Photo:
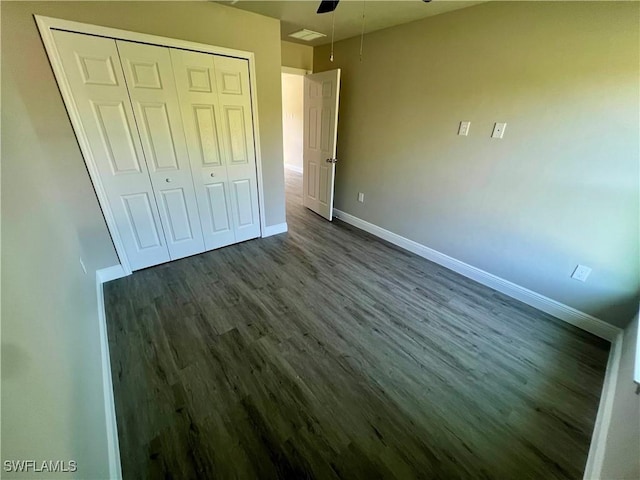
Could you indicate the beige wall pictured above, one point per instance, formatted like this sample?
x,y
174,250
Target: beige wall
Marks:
x,y
52,399
292,119
560,189
622,451
297,56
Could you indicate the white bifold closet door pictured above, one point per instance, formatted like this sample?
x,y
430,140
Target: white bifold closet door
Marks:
x,y
216,109
149,76
92,69
171,134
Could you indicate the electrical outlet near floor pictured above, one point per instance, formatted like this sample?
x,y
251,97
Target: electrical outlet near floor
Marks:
x,y
361,197
581,273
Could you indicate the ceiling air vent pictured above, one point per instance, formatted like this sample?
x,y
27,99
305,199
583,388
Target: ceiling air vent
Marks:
x,y
306,35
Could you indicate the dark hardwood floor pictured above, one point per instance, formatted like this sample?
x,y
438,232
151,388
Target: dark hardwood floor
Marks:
x,y
326,353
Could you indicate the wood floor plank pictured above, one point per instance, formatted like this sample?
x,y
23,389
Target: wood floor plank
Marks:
x,y
327,353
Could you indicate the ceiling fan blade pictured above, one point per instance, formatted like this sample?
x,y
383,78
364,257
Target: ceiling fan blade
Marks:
x,y
327,6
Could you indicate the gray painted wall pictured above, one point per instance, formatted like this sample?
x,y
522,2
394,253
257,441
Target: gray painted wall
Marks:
x,y
52,398
561,188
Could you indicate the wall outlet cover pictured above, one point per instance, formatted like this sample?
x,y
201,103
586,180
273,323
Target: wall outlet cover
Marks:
x,y
581,273
498,130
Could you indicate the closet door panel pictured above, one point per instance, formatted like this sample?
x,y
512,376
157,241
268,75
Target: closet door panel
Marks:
x,y
196,84
232,82
234,121
243,201
149,76
93,71
219,207
141,219
174,202
206,134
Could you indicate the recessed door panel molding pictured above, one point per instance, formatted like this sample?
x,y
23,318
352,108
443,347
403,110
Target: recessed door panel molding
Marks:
x,y
235,127
327,88
313,89
217,195
311,180
140,216
243,205
325,175
242,197
325,129
145,75
320,133
96,70
312,132
206,134
102,106
175,205
231,83
116,136
199,79
155,124
168,131
219,216
159,120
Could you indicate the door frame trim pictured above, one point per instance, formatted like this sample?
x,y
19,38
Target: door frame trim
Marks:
x,y
47,24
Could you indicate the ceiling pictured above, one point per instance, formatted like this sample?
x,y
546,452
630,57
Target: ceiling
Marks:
x,y
379,14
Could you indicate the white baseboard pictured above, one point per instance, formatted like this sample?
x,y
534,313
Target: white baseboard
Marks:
x,y
593,469
113,446
274,229
293,168
559,310
105,275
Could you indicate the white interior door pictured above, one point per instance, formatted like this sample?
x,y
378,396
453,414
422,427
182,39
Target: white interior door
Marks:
x,y
195,80
234,94
215,96
93,71
150,81
321,97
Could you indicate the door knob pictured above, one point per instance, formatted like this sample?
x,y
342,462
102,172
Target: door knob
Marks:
x,y
332,160
168,180
212,174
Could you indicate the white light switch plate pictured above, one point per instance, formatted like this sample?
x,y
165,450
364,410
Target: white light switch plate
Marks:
x,y
464,128
361,197
498,130
581,273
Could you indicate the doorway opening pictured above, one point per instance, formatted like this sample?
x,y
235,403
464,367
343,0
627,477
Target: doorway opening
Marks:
x,y
293,130
310,129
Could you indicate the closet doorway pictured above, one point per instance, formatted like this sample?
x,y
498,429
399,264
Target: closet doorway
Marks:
x,y
169,132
